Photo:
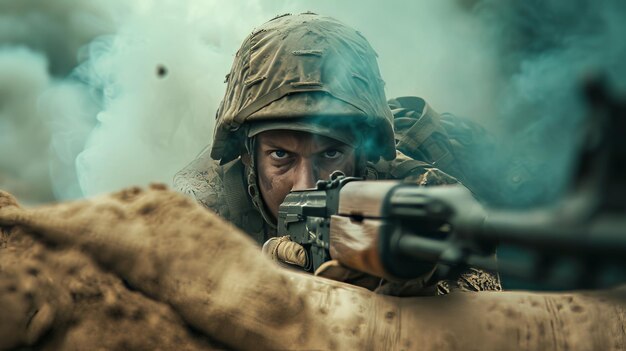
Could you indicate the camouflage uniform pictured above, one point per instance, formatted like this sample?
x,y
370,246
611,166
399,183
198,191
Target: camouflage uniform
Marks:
x,y
305,73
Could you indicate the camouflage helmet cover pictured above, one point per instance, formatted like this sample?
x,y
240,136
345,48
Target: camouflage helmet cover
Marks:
x,y
305,69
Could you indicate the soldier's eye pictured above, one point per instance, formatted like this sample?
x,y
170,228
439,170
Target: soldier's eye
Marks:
x,y
279,154
332,154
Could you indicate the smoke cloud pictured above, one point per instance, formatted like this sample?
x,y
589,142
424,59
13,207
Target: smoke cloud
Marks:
x,y
97,95
23,140
546,49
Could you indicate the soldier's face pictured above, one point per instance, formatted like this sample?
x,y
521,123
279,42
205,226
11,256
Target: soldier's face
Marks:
x,y
289,160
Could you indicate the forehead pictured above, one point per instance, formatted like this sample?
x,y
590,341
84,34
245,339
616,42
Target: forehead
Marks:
x,y
291,138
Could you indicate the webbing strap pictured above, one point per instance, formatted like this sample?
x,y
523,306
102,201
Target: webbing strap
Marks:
x,y
442,157
404,168
423,137
420,131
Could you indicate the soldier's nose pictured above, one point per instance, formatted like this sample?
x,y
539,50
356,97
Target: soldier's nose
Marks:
x,y
305,176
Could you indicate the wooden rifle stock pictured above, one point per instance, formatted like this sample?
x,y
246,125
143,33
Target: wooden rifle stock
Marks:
x,y
354,229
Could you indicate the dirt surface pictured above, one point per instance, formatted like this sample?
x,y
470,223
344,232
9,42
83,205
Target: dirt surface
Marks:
x,y
154,245
59,299
151,269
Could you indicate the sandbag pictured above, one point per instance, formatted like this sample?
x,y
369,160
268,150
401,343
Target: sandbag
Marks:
x,y
145,267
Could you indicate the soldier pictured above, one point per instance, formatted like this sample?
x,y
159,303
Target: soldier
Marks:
x,y
304,98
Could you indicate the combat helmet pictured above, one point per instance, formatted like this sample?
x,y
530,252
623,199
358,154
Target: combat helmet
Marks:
x,y
310,73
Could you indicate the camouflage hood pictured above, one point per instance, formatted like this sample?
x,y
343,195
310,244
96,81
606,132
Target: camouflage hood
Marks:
x,y
308,68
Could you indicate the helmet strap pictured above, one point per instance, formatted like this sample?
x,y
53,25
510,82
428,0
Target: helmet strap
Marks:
x,y
360,163
253,188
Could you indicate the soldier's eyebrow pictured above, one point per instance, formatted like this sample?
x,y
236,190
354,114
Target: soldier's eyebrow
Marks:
x,y
291,145
276,144
271,143
333,144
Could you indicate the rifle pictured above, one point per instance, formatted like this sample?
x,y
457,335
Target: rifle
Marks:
x,y
395,230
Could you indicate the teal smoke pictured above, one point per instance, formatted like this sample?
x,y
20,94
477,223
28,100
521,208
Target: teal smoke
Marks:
x,y
547,49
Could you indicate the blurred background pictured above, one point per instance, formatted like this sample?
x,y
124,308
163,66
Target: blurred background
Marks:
x,y
96,95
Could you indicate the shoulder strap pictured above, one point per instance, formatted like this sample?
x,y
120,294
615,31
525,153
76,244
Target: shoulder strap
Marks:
x,y
420,134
